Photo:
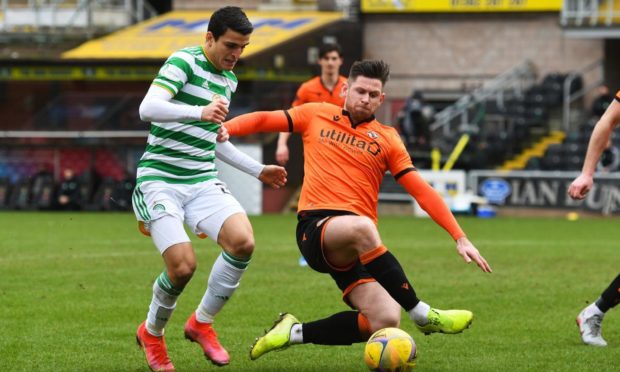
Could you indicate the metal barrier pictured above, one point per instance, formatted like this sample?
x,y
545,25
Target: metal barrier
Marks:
x,y
569,97
49,16
508,84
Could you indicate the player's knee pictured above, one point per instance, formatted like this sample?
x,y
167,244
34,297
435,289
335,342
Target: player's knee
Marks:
x,y
241,245
183,272
365,232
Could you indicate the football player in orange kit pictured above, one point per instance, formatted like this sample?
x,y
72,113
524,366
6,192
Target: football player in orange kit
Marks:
x,y
347,152
327,87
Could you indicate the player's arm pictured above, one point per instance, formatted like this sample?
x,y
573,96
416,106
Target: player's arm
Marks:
x,y
272,175
400,165
601,135
295,120
282,151
156,106
259,121
430,200
598,141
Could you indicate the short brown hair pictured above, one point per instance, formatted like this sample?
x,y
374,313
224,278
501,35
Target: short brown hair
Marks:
x,y
373,69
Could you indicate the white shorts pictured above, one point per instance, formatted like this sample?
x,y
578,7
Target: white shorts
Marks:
x,y
208,203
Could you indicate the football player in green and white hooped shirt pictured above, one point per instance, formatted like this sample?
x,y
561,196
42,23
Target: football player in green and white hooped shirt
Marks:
x,y
177,183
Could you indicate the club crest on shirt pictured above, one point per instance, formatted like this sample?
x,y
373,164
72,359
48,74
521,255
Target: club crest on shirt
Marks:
x,y
159,207
373,135
336,117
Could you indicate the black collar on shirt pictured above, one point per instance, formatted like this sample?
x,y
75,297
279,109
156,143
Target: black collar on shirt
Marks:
x,y
348,114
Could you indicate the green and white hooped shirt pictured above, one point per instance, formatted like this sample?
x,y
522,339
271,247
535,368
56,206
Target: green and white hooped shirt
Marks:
x,y
184,152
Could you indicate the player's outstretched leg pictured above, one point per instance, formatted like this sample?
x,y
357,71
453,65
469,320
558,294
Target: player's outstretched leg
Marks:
x,y
205,336
446,321
154,349
589,322
278,337
388,272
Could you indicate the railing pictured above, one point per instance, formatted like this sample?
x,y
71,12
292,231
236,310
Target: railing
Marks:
x,y
508,84
589,13
569,97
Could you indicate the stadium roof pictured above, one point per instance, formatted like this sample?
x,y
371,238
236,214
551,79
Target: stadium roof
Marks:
x,y
160,36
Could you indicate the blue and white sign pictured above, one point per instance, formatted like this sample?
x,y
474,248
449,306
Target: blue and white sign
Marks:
x,y
495,190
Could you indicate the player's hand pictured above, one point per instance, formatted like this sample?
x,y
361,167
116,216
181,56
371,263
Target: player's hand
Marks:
x,y
470,253
215,112
282,154
580,187
273,175
222,134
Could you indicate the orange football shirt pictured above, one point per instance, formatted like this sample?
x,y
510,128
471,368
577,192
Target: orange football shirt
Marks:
x,y
313,90
345,164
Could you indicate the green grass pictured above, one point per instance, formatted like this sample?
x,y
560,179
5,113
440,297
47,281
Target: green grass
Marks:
x,y
76,285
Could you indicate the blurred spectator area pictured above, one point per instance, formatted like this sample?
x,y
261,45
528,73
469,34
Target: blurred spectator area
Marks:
x,y
18,163
79,125
89,111
51,115
101,172
49,106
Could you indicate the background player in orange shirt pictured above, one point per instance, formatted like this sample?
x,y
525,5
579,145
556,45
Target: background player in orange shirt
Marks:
x,y
346,154
590,319
327,87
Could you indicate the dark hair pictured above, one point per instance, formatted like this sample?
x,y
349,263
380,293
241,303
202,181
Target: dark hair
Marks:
x,y
329,47
373,69
229,17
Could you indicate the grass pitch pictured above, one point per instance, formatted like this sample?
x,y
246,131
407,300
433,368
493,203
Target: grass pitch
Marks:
x,y
75,286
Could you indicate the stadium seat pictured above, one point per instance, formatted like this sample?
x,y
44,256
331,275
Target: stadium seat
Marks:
x,y
5,190
88,183
20,195
573,162
43,195
123,193
533,163
571,148
103,199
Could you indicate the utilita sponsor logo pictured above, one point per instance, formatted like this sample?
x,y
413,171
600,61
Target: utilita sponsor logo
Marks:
x,y
351,140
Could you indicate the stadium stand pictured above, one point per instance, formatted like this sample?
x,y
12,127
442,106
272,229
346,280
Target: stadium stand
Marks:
x,y
505,119
509,119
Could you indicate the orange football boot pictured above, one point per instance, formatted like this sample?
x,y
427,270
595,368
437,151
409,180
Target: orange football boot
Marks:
x,y
204,334
154,349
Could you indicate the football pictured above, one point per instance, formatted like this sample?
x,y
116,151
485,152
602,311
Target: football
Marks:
x,y
390,349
